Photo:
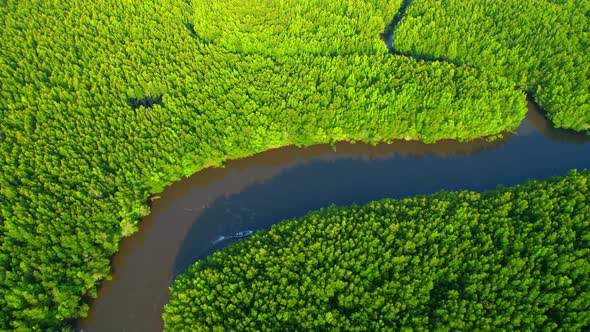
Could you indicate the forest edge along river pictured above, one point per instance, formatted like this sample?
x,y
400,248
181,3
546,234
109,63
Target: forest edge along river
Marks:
x,y
256,192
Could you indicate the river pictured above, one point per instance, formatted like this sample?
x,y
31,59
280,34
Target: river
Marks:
x,y
256,192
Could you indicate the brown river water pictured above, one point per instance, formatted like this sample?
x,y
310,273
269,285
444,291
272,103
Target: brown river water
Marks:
x,y
258,191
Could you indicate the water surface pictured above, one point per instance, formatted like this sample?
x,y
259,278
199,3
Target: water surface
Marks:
x,y
256,192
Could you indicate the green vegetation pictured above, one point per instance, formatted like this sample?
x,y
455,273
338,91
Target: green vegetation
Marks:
x,y
105,102
271,27
542,45
509,259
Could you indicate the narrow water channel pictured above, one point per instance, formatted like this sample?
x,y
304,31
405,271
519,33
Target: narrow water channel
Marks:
x,y
256,192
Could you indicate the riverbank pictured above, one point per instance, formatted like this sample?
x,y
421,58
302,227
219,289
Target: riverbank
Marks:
x,y
512,258
256,192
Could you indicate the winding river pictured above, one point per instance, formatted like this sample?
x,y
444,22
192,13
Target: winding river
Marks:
x,y
256,192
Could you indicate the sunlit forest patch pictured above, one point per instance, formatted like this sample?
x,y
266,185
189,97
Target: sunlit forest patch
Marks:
x,y
541,45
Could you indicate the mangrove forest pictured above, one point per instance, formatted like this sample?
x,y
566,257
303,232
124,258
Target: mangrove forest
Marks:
x,y
104,103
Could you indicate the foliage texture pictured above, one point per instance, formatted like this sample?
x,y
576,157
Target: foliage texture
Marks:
x,y
542,45
510,259
105,102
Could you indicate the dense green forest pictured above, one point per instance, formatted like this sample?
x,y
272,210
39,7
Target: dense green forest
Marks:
x,y
105,102
319,27
510,259
542,45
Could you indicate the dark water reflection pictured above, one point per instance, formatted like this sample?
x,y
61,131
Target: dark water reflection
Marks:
x,y
256,192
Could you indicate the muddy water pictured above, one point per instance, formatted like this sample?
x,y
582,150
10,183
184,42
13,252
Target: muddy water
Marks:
x,y
256,192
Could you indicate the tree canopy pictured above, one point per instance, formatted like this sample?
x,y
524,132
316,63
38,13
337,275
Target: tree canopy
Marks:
x,y
508,259
105,102
542,45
